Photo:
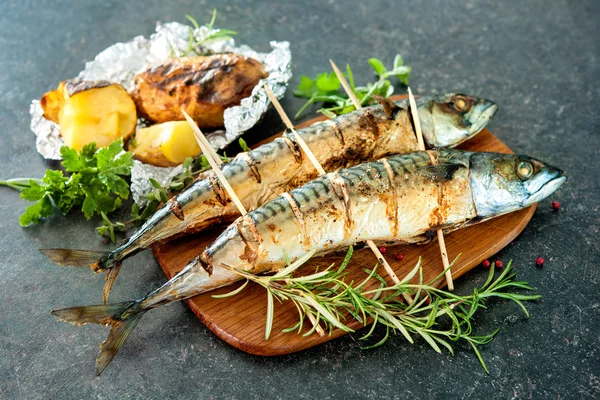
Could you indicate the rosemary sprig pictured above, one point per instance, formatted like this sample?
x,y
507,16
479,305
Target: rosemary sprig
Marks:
x,y
437,316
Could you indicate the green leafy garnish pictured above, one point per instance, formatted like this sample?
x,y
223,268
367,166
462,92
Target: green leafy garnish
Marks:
x,y
437,316
243,145
95,183
325,88
197,46
160,194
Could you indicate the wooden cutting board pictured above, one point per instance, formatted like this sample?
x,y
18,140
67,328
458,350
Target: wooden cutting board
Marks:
x,y
240,320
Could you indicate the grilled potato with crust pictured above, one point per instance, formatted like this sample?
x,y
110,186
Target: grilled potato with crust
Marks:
x,y
203,86
90,111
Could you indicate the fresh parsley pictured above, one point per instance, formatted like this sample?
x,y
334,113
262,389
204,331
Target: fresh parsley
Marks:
x,y
325,87
94,183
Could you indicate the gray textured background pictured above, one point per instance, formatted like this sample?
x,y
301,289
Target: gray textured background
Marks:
x,y
538,59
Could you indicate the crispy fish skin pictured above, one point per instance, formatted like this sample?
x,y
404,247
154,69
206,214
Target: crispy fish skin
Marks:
x,y
271,169
204,86
262,174
397,199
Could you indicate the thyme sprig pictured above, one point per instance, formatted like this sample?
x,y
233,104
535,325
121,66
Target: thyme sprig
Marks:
x,y
196,46
437,316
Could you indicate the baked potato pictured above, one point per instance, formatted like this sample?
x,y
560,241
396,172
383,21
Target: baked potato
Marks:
x,y
203,86
164,145
90,111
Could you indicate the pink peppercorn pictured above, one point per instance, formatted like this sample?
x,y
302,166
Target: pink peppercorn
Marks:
x,y
486,263
555,205
539,262
383,250
399,256
499,264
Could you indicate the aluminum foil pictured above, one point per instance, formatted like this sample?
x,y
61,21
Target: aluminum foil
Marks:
x,y
140,183
122,61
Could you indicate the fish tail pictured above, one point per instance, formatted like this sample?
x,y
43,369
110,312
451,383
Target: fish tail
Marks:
x,y
122,318
98,260
109,280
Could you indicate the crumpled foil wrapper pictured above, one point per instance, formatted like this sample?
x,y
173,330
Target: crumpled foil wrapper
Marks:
x,y
140,183
122,61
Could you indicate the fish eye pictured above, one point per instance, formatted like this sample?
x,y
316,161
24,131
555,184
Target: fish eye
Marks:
x,y
461,104
524,170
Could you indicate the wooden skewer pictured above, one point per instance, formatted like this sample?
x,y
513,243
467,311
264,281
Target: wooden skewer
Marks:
x,y
345,85
200,138
214,160
370,243
289,125
319,168
440,233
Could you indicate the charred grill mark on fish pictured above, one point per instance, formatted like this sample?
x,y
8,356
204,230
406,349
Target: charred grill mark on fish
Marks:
x,y
297,215
176,209
294,148
218,190
251,162
393,199
279,166
264,240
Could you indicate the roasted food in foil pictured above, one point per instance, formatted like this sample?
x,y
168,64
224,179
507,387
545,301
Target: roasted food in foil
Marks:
x,y
90,111
121,62
203,86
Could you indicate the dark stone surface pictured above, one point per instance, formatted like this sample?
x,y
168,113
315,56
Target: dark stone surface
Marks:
x,y
538,59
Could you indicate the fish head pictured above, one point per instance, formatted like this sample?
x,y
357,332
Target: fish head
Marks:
x,y
450,119
502,183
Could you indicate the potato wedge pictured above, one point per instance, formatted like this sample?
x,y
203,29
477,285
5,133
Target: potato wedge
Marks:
x,y
203,86
164,145
86,112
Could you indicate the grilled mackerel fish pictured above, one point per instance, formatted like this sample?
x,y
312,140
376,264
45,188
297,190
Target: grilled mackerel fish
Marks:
x,y
395,199
273,168
203,86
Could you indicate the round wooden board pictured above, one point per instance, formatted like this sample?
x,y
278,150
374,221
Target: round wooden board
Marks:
x,y
240,320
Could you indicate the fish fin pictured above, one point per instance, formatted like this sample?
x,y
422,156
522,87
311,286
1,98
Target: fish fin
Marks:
x,y
440,173
116,337
109,280
74,257
389,107
122,317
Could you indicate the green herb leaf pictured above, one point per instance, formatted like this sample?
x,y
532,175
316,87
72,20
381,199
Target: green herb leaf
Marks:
x,y
198,46
377,66
243,145
96,183
328,82
398,61
34,213
306,88
328,299
325,88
